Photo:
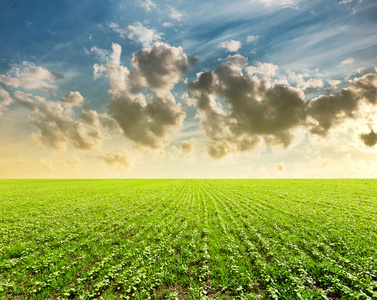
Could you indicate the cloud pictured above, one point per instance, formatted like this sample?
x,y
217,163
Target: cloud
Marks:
x,y
167,24
369,139
138,33
345,1
175,14
101,53
329,111
284,3
280,167
252,38
187,147
193,61
147,4
123,159
73,99
238,111
254,110
301,83
334,83
58,126
146,120
5,101
231,46
29,76
265,69
347,61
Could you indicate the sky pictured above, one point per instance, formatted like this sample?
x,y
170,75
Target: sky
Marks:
x,y
188,89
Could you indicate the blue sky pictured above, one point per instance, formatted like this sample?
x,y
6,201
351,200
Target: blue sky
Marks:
x,y
69,107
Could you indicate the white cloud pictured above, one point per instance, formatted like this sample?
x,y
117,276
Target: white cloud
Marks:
x,y
284,3
138,33
347,61
301,83
147,4
101,53
73,99
175,14
252,38
167,24
231,46
264,69
345,1
334,83
29,76
5,101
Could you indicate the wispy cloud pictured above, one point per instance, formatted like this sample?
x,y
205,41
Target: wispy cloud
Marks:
x,y
175,14
347,61
147,4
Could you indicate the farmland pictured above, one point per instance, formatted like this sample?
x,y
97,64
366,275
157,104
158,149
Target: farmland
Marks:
x,y
188,239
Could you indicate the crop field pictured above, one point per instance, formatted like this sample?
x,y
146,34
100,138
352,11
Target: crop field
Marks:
x,y
188,239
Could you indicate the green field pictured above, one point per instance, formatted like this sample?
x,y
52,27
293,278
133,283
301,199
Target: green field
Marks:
x,y
188,239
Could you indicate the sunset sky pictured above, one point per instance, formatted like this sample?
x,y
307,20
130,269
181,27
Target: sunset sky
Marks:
x,y
177,89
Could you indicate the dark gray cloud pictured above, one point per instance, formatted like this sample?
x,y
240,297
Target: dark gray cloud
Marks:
x,y
159,67
329,111
238,110
369,139
146,120
251,109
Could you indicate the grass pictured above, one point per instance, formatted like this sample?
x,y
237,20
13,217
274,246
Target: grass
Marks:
x,y
188,239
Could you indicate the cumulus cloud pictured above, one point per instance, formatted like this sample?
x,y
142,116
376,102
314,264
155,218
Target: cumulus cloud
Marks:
x,y
73,99
231,46
147,4
123,159
146,120
138,33
29,76
238,110
302,83
58,126
334,83
328,111
264,69
369,139
175,14
5,101
347,61
255,111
